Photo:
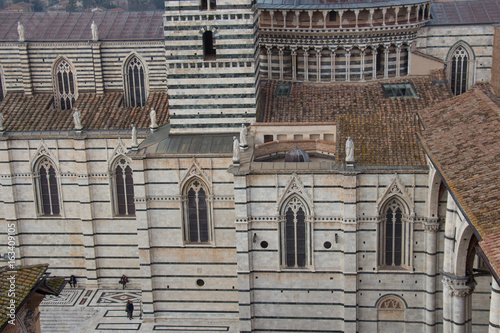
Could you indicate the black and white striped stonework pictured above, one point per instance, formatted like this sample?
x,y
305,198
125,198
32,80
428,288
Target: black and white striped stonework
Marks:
x,y
211,64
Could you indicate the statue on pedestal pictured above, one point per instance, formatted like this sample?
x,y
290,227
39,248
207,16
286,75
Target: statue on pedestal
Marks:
x,y
349,150
134,136
243,136
236,150
95,32
77,118
20,31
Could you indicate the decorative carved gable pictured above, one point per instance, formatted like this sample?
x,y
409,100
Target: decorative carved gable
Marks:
x,y
195,170
43,150
397,188
119,150
294,186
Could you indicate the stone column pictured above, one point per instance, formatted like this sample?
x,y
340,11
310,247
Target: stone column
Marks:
x,y
350,251
409,59
396,12
271,13
85,213
362,66
306,63
408,14
243,249
386,60
269,61
348,64
318,63
294,62
431,230
341,12
398,59
494,307
461,299
325,14
332,63
25,68
96,57
280,50
284,18
297,21
374,62
417,13
356,13
370,19
384,11
310,13
144,240
448,267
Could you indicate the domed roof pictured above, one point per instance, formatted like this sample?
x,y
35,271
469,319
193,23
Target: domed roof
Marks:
x,y
297,155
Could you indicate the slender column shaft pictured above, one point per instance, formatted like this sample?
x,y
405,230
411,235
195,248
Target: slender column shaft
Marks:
x,y
494,307
386,61
398,60
362,68
332,64
269,61
374,64
318,64
348,65
281,62
306,64
294,63
409,60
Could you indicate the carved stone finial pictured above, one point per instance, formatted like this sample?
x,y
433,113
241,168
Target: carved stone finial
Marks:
x,y
243,137
20,31
236,150
349,150
152,115
77,119
134,136
95,31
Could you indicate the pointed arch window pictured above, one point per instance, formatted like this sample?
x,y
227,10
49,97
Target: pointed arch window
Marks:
x,y
135,82
295,233
196,212
47,188
394,236
459,70
123,188
65,85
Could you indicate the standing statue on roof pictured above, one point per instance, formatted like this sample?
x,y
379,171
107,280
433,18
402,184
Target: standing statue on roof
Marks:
x,y
243,136
236,150
77,118
134,136
20,31
95,32
152,115
349,150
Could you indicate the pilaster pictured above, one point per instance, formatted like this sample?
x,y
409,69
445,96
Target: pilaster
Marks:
x,y
431,230
96,57
25,68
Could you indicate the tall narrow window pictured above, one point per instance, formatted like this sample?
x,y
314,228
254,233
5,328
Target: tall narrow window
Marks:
x,y
135,83
1,86
124,188
196,213
393,233
459,71
295,233
209,45
47,188
65,85
208,4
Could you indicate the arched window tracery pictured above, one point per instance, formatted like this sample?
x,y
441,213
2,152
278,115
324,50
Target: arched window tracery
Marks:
x,y
135,82
47,188
123,188
295,231
65,85
197,212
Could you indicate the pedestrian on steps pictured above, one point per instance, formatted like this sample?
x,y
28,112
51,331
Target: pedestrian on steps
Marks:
x,y
123,280
72,281
130,310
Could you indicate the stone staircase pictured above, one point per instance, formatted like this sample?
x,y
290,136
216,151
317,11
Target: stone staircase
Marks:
x,y
72,319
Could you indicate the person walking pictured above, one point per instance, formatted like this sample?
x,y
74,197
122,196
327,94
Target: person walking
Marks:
x,y
123,281
130,310
72,281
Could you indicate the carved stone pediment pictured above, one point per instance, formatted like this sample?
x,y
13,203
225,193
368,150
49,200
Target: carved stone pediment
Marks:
x,y
119,150
43,150
296,187
397,188
195,170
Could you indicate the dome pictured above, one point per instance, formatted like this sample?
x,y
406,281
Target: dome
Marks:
x,y
297,155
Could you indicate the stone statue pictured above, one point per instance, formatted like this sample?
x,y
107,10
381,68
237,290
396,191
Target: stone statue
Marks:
x,y
243,136
349,150
236,150
95,32
77,118
134,136
152,115
1,122
20,31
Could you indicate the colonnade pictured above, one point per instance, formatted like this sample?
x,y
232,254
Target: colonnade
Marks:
x,y
345,18
335,63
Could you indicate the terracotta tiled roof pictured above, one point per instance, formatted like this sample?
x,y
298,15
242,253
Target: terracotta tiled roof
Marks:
x,y
383,129
462,138
99,112
76,26
26,278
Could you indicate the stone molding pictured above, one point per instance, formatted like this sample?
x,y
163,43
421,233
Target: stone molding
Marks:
x,y
459,286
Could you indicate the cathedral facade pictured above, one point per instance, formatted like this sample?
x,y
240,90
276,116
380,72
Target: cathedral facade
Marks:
x,y
259,166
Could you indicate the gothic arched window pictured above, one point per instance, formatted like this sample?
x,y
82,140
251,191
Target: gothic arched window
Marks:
x,y
393,234
196,212
65,85
135,82
47,188
123,188
295,234
459,70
